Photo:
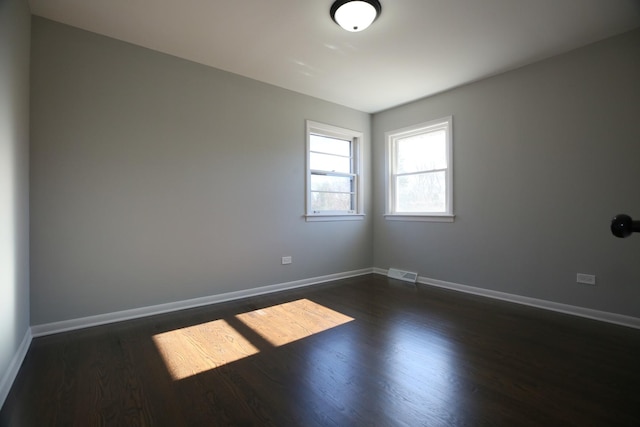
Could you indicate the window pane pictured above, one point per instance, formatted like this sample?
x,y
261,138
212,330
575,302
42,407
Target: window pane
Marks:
x,y
331,183
328,162
425,192
423,152
325,144
330,201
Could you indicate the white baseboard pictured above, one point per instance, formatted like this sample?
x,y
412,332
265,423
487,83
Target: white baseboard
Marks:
x,y
604,316
14,367
103,319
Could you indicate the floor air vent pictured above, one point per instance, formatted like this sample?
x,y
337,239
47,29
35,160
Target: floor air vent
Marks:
x,y
407,276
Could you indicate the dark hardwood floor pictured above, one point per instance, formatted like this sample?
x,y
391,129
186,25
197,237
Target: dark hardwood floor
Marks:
x,y
355,352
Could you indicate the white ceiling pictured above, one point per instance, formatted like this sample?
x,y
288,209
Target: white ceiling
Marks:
x,y
415,49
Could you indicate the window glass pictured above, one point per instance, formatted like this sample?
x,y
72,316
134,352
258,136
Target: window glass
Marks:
x,y
331,183
423,192
330,163
329,145
331,202
422,152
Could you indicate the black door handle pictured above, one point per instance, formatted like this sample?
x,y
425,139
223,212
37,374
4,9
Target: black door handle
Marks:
x,y
622,226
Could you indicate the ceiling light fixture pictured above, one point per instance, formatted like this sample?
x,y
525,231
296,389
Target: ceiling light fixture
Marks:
x,y
355,15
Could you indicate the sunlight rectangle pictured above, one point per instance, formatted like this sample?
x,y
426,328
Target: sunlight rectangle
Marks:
x,y
199,348
285,323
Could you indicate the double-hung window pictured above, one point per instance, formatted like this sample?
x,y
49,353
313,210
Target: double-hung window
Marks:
x,y
419,172
333,173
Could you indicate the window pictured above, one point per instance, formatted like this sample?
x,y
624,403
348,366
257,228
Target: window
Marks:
x,y
333,168
419,172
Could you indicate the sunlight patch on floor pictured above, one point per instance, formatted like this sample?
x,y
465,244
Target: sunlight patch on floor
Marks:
x,y
199,348
195,349
285,323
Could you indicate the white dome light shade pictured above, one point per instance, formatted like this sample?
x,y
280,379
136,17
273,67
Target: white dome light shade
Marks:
x,y
355,15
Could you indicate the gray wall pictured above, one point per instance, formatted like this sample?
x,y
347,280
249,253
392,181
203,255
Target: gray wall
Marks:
x,y
14,178
155,180
544,157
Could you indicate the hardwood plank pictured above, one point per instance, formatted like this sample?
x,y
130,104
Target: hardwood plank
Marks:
x,y
359,351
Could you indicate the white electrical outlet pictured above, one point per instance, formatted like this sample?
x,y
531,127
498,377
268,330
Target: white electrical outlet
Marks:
x,y
286,260
587,279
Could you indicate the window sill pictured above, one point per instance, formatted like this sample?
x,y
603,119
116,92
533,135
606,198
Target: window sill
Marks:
x,y
423,218
333,217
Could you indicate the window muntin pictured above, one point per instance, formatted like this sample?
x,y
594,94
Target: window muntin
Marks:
x,y
419,179
333,184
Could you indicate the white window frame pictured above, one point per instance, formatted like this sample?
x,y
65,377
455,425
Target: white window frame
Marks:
x,y
446,124
316,128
